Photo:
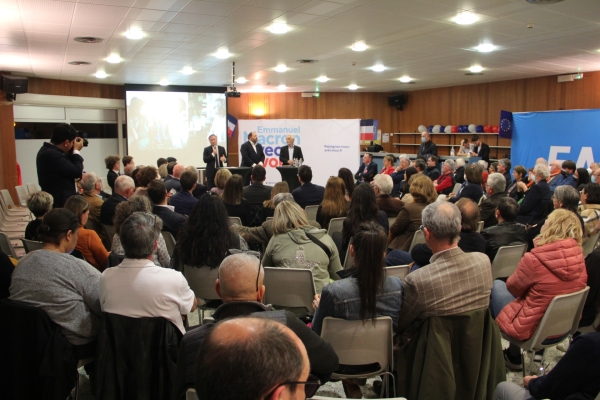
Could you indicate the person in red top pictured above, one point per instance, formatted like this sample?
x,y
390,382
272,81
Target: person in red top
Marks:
x,y
555,266
445,183
388,165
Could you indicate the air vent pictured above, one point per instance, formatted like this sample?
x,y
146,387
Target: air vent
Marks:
x,y
88,39
79,63
307,61
543,2
474,73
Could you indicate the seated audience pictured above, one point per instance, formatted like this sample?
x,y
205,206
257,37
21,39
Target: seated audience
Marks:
x,y
471,188
297,244
425,293
143,177
582,177
137,288
504,166
432,170
113,165
367,170
39,203
124,189
592,302
170,166
88,241
348,179
92,186
530,178
235,204
184,201
421,166
174,183
493,167
595,176
590,209
554,267
257,192
162,171
269,205
555,170
445,182
383,184
399,174
172,222
507,232
459,172
334,203
199,188
160,256
484,174
409,218
565,177
405,187
388,165
130,170
308,194
494,189
221,177
242,295
519,186
534,206
69,294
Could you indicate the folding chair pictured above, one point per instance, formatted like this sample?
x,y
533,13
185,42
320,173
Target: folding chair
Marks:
x,y
480,226
456,188
169,241
348,261
398,270
590,244
31,245
10,207
235,220
559,321
362,343
23,194
311,212
391,220
506,260
291,288
33,187
110,232
335,225
7,247
481,199
202,282
418,238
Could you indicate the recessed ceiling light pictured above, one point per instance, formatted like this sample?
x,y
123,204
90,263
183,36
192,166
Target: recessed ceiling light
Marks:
x,y
465,18
222,54
164,82
114,59
281,68
378,68
281,87
322,79
134,34
100,75
405,79
359,46
485,47
88,39
476,68
279,28
241,80
187,71
353,87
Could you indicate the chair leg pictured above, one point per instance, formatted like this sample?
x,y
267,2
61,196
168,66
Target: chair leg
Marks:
x,y
531,362
523,362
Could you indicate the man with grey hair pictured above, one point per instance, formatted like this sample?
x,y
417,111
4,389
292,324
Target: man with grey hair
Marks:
x,y
453,283
536,203
139,288
494,190
383,185
399,173
504,166
459,172
92,186
289,153
445,182
124,189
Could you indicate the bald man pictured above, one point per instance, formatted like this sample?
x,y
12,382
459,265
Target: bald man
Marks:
x,y
240,286
266,356
285,151
174,182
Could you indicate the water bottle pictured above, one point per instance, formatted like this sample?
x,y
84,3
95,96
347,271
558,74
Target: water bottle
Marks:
x,y
300,162
452,152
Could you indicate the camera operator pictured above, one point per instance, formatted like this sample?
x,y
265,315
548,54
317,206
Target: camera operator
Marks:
x,y
59,164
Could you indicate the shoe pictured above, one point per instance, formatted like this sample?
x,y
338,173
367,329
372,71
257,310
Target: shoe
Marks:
x,y
539,356
509,364
351,390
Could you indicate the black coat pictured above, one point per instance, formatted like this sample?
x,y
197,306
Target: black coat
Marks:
x,y
470,190
504,234
459,175
172,222
487,209
532,206
483,151
308,194
249,156
368,175
284,154
107,211
427,149
209,159
57,172
111,177
257,192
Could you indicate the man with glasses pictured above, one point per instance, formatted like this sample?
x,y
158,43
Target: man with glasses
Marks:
x,y
240,285
253,358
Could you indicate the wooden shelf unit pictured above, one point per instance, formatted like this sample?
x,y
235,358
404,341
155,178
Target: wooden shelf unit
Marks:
x,y
409,143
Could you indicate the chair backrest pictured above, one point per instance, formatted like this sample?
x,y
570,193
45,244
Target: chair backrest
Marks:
x,y
506,260
418,238
480,226
335,225
391,220
441,197
191,394
456,187
169,241
398,270
31,245
23,194
105,186
590,244
289,287
358,343
202,281
235,220
561,317
33,187
6,246
110,231
348,261
311,212
481,199
8,200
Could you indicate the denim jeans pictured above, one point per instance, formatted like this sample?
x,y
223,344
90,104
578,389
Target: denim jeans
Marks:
x,y
500,297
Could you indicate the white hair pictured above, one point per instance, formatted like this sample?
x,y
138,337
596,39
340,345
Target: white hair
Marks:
x,y
384,183
484,164
460,162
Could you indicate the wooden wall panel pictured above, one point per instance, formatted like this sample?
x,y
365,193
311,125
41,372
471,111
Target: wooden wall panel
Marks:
x,y
80,89
8,151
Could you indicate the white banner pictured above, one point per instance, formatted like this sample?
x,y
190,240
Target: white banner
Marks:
x,y
327,144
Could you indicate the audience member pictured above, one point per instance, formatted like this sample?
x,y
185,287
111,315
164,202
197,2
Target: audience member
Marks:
x,y
161,161
432,170
565,177
143,177
39,203
465,148
240,285
269,205
129,169
592,302
199,189
399,174
308,194
113,165
485,173
405,187
172,222
421,166
445,182
582,177
221,178
534,207
258,192
504,166
170,166
348,179
480,149
459,172
453,283
162,172
297,244
471,188
184,201
595,176
133,174
590,209
409,218
367,170
91,186
388,165
124,189
494,189
427,147
88,241
519,186
235,204
334,203
493,167
554,267
127,160
382,184
171,160
507,232
174,183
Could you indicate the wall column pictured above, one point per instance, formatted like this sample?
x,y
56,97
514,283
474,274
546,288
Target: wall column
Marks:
x,y
8,151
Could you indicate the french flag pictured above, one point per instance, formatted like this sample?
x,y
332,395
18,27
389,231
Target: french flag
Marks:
x,y
231,125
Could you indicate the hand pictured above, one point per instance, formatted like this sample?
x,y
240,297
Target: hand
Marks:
x,y
473,154
316,301
78,144
222,159
290,162
527,379
215,151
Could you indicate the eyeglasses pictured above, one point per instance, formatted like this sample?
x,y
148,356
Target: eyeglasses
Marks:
x,y
310,386
422,228
252,253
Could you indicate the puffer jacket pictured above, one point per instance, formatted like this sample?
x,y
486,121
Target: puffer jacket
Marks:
x,y
547,271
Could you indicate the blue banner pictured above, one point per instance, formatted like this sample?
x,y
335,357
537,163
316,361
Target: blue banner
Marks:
x,y
556,135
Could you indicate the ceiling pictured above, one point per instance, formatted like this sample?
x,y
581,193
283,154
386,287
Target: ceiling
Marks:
x,y
409,37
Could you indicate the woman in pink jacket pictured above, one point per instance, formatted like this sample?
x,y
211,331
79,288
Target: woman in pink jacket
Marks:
x,y
555,266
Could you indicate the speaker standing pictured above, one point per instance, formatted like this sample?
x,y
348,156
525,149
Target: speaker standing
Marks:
x,y
214,156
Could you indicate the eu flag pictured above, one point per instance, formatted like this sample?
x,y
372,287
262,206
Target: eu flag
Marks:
x,y
505,129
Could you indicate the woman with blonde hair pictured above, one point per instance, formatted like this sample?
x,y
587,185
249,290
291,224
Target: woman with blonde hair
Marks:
x,y
555,266
388,165
162,171
409,218
39,203
334,203
296,244
269,205
221,178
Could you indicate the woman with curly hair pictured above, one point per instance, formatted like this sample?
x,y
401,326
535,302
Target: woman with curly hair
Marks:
x,y
143,177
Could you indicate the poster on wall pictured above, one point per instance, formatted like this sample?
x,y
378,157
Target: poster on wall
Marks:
x,y
327,144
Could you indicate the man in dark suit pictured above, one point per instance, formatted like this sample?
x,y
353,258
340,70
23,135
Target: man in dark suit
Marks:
x,y
113,165
59,164
257,192
427,147
496,190
172,222
124,188
285,151
480,149
307,194
214,156
538,196
367,170
252,154
184,201
174,182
